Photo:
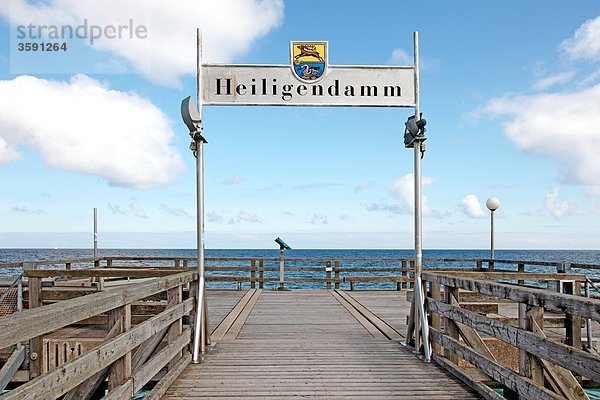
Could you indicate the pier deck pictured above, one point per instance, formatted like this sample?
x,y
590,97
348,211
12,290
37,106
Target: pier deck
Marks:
x,y
312,344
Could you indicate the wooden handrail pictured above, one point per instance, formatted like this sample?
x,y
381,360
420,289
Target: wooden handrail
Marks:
x,y
541,360
584,307
46,319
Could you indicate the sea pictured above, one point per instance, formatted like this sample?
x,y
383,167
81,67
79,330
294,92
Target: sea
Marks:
x,y
316,256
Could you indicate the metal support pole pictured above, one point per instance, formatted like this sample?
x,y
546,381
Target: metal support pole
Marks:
x,y
588,321
492,234
95,233
418,288
199,344
281,269
20,294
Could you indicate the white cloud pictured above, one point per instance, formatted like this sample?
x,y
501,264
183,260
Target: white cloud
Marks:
x,y
363,185
404,58
8,153
233,180
115,208
471,206
401,57
389,208
319,219
137,209
592,191
403,189
229,28
214,217
554,80
174,211
27,210
590,79
247,216
559,209
585,44
564,126
75,125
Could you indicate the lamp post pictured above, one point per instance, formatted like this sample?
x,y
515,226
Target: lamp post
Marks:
x,y
414,137
192,117
492,204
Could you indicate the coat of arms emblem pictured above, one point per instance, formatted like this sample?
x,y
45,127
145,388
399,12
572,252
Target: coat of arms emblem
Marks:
x,y
309,60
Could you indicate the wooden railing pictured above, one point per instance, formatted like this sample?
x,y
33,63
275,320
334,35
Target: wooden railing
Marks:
x,y
548,368
128,357
328,272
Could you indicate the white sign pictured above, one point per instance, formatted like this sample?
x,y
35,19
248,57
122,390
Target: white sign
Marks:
x,y
276,85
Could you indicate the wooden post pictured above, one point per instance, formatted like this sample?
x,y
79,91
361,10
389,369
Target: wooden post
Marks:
x,y
193,293
68,265
253,274
410,325
523,325
336,274
261,274
109,263
36,351
529,365
328,275
120,371
412,267
185,263
450,326
177,263
436,319
490,264
206,327
404,273
479,265
174,297
573,323
534,366
521,269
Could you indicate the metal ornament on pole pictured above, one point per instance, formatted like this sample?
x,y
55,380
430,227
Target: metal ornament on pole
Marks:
x,y
414,138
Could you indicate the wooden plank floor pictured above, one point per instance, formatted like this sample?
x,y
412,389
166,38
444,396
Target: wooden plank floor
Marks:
x,y
391,306
307,344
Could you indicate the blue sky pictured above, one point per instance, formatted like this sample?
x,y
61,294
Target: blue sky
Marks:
x,y
510,91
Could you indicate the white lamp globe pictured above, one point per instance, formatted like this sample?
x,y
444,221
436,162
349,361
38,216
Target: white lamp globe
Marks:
x,y
493,203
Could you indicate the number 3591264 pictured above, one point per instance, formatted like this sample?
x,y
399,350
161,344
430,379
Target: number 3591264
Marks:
x,y
44,46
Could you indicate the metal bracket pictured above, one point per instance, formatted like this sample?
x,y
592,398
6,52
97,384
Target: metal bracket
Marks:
x,y
196,137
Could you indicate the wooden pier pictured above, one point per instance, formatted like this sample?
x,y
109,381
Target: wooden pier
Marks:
x,y
312,344
106,328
